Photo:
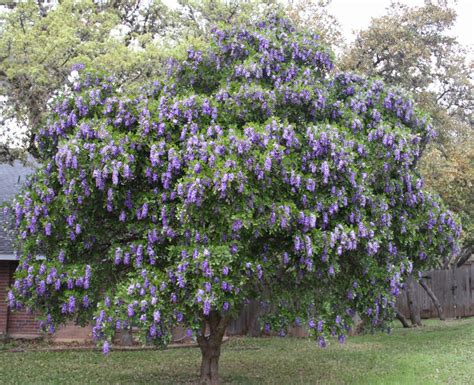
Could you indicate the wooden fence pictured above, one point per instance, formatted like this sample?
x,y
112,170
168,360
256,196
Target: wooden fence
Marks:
x,y
246,323
454,289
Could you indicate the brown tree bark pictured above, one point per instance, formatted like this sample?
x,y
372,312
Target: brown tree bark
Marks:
x,y
210,346
466,251
413,305
402,318
435,300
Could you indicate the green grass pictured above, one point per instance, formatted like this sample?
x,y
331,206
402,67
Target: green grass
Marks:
x,y
438,353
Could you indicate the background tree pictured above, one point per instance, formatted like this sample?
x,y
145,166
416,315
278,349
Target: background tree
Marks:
x,y
249,171
315,16
410,47
38,46
449,172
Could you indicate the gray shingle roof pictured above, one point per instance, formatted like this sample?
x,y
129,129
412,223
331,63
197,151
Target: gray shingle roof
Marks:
x,y
12,178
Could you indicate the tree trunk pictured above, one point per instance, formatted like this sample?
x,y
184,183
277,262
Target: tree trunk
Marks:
x,y
413,304
435,300
210,346
210,365
465,254
402,318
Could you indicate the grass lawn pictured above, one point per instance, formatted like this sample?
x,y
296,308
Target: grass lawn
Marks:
x,y
438,353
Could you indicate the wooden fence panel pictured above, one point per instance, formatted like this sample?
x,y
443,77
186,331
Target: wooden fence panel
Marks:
x,y
454,289
471,290
246,323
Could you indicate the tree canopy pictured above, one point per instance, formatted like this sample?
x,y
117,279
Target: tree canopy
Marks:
x,y
251,170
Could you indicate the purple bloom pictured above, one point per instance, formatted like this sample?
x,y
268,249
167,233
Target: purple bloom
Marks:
x,y
71,307
206,307
372,247
47,229
268,164
118,256
126,258
324,181
342,338
310,185
321,342
237,225
320,326
234,249
325,172
144,210
41,290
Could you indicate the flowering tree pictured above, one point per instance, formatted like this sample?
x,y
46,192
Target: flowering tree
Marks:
x,y
249,172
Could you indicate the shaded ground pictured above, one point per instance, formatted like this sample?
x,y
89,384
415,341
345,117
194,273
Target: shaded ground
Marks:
x,y
439,353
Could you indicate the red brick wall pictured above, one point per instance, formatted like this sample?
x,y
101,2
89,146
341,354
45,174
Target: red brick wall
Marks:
x,y
22,323
4,279
71,332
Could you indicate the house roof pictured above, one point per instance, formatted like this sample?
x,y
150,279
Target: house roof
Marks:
x,y
12,178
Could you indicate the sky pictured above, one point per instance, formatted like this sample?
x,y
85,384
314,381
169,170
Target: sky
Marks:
x,y
356,14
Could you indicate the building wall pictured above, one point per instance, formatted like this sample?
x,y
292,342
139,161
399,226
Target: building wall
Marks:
x,y
14,323
71,332
23,324
4,279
